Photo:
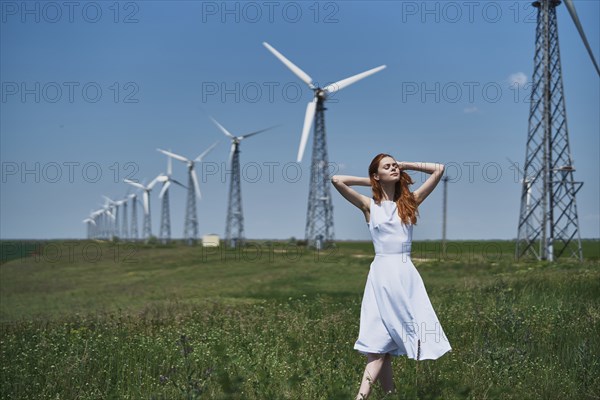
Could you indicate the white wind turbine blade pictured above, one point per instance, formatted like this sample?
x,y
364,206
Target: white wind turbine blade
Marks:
x,y
109,213
299,73
164,189
334,87
178,183
308,120
196,186
151,184
225,131
146,203
257,132
169,166
571,8
137,185
201,156
175,156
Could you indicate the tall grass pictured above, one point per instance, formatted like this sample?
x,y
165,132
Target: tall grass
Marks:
x,y
179,324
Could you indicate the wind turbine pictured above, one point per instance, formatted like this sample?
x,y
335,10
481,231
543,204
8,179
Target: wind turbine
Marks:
x,y
93,221
90,229
97,216
548,220
191,220
235,215
165,219
114,205
124,224
134,226
526,188
106,221
146,196
319,221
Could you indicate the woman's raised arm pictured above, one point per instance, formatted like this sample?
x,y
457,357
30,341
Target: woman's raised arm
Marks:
x,y
436,170
343,182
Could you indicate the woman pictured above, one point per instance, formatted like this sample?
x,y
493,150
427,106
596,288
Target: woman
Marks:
x,y
396,315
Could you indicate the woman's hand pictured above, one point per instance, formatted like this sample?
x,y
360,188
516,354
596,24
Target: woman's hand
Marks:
x,y
436,170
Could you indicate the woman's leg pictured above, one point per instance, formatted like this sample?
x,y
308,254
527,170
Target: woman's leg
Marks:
x,y
375,363
385,375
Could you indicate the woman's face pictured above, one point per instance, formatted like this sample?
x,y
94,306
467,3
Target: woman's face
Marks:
x,y
388,170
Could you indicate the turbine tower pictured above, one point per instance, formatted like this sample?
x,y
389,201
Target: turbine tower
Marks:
x,y
124,223
95,216
134,226
165,216
90,224
105,223
234,226
147,230
548,221
114,205
319,219
191,220
444,215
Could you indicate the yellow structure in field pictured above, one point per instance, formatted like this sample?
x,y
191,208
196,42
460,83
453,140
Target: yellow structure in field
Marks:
x,y
210,240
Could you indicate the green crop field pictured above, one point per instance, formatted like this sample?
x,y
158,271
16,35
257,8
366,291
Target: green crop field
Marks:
x,y
274,320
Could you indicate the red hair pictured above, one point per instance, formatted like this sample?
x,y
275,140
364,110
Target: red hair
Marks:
x,y
403,197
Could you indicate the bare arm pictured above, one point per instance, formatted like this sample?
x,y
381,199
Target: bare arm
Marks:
x,y
343,182
436,170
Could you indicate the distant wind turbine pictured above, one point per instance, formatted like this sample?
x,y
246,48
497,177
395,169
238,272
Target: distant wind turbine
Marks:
x,y
147,229
165,219
234,226
191,219
319,221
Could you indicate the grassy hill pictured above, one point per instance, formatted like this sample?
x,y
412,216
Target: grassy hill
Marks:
x,y
86,319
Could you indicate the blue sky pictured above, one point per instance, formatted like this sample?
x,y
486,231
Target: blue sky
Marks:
x,y
90,92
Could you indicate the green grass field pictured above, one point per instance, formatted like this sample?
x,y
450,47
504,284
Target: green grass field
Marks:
x,y
94,320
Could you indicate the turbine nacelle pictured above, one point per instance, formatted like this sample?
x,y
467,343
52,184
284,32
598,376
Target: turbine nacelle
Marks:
x,y
321,94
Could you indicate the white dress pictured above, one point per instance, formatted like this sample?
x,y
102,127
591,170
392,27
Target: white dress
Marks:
x,y
396,315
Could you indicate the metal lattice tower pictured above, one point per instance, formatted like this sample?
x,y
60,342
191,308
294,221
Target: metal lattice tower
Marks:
x,y
134,226
165,220
444,214
124,229
319,217
147,227
234,226
102,230
89,222
116,228
190,231
548,222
